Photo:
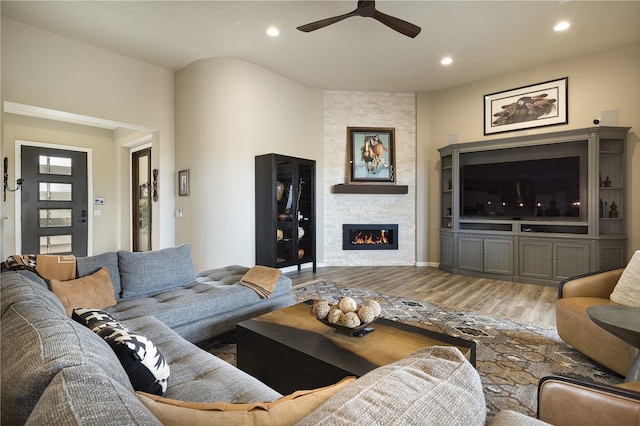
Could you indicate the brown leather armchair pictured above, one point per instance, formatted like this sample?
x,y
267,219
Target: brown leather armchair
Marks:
x,y
568,402
575,327
564,401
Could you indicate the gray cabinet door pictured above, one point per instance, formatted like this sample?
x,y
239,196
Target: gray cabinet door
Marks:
x,y
570,259
536,258
446,251
498,256
470,254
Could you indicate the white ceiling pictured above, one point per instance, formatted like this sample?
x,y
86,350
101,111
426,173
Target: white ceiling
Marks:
x,y
485,38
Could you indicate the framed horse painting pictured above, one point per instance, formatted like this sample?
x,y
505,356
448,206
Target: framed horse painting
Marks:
x,y
371,152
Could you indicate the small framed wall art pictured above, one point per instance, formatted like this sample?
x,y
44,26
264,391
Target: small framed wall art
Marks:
x,y
183,183
371,152
542,104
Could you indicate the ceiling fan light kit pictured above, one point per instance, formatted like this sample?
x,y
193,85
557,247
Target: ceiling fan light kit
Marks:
x,y
367,9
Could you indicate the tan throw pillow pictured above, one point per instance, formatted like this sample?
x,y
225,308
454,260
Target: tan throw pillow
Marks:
x,y
287,410
627,290
90,291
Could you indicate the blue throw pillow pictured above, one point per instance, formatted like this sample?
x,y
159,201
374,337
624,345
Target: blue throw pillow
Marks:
x,y
149,272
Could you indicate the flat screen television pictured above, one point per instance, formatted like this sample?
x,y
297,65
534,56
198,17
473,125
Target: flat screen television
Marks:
x,y
543,189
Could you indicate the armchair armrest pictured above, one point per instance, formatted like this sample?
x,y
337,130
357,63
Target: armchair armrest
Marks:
x,y
564,401
596,284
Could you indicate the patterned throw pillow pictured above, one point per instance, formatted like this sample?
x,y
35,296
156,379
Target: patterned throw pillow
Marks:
x,y
145,365
95,319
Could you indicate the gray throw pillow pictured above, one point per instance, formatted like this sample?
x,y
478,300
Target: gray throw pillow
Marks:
x,y
433,386
90,264
149,272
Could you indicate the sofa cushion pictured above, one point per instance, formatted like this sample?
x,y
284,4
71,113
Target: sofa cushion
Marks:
x,y
95,319
208,307
18,286
48,342
627,290
85,395
432,386
90,264
152,272
196,375
144,363
286,410
93,290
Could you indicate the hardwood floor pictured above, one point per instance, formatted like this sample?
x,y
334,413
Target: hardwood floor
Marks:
x,y
525,303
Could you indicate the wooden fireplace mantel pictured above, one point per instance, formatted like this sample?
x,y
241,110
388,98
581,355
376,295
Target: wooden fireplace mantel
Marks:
x,y
363,188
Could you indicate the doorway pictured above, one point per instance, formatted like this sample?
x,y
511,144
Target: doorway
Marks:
x,y
142,193
54,201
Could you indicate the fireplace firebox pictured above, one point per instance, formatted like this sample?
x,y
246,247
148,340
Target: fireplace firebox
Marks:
x,y
369,236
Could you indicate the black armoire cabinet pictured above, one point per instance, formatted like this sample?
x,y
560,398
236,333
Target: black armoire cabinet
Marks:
x,y
285,211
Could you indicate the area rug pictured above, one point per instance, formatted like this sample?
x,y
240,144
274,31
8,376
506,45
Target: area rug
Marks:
x,y
511,357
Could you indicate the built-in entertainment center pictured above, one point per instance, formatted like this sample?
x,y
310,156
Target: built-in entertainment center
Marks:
x,y
535,208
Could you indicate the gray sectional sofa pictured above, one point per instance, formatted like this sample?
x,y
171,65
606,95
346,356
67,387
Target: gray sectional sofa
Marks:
x,y
56,370
163,283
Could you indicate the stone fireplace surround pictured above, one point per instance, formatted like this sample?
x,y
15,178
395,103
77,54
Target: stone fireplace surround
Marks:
x,y
367,109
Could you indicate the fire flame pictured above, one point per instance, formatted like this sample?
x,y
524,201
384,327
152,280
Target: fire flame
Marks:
x,y
361,239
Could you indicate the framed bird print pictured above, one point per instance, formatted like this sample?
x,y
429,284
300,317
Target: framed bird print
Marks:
x,y
542,104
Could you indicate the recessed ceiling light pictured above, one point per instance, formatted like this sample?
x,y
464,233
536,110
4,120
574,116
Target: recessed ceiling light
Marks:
x,y
446,61
561,26
273,32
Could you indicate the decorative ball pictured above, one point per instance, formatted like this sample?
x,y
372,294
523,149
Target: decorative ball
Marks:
x,y
335,315
350,319
320,308
373,305
366,313
347,304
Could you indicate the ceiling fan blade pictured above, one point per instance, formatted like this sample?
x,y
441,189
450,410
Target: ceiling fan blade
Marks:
x,y
324,22
403,27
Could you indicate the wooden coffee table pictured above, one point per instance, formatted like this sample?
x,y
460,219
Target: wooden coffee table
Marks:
x,y
289,349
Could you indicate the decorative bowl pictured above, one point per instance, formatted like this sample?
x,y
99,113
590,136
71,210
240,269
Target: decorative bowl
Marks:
x,y
349,331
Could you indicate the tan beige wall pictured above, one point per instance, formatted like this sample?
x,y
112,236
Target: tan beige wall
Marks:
x,y
99,141
45,70
598,82
227,112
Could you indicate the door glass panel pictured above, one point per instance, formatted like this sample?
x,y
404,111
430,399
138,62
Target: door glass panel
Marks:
x,y
50,191
54,165
54,244
144,201
52,218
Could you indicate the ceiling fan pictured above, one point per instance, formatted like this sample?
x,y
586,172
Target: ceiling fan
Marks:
x,y
367,9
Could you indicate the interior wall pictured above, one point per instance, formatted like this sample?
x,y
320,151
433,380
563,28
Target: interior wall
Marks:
x,y
369,109
227,112
45,70
605,81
